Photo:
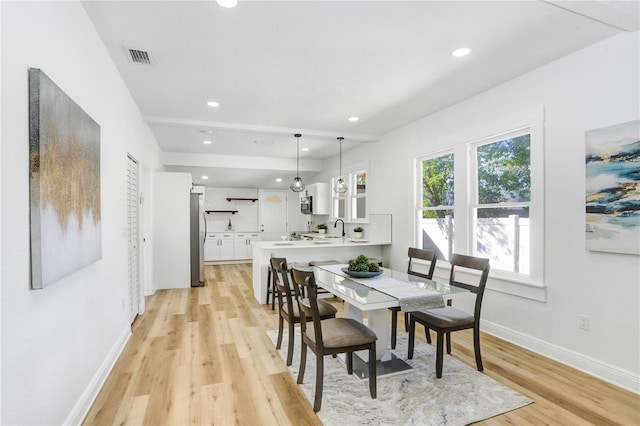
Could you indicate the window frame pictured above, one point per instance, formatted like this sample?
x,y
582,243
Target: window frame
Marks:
x,y
353,197
529,285
474,192
420,209
350,174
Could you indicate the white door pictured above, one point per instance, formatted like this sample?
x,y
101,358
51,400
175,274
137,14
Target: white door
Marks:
x,y
132,236
273,214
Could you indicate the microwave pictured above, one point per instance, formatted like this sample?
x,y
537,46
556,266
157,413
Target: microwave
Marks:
x,y
306,205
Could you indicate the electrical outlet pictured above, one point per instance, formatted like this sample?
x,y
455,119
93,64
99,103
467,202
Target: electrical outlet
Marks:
x,y
583,322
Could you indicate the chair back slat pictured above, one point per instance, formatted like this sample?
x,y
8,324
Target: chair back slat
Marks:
x,y
422,254
308,305
279,274
475,263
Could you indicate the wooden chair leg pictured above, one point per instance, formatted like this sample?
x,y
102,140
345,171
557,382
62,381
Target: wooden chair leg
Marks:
x,y
280,329
317,402
427,334
476,347
406,321
439,353
394,328
373,379
412,336
290,346
273,291
270,290
303,362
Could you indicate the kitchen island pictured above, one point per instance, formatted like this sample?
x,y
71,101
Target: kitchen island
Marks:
x,y
302,252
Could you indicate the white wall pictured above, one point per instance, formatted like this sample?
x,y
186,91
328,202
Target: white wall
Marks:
x,y
595,87
58,343
172,230
246,218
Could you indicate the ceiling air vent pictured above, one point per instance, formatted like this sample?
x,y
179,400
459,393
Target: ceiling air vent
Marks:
x,y
139,56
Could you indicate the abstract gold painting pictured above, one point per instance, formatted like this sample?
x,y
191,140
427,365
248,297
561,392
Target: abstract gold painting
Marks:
x,y
64,181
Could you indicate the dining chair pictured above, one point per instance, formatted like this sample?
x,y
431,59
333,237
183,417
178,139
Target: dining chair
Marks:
x,y
288,308
445,320
271,286
413,253
330,337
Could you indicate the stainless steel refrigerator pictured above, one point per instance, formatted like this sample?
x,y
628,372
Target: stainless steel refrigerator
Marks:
x,y
198,232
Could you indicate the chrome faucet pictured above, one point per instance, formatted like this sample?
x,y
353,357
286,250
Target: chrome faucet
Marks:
x,y
335,225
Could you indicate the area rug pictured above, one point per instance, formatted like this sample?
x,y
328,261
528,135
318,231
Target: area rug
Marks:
x,y
463,395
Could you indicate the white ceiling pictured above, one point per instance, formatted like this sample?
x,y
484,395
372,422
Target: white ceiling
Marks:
x,y
282,67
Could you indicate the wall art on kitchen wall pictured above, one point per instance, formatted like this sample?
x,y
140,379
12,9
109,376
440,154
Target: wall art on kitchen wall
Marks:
x,y
64,181
613,188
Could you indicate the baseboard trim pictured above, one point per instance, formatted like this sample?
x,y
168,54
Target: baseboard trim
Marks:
x,y
80,410
609,373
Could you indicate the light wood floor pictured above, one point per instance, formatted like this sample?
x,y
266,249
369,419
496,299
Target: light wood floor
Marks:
x,y
201,356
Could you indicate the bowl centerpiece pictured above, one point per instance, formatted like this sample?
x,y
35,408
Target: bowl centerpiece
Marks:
x,y
361,267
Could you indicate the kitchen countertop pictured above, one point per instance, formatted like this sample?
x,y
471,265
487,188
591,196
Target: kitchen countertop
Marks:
x,y
316,243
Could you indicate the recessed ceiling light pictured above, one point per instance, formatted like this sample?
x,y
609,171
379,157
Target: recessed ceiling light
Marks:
x,y
304,149
207,142
205,177
227,3
459,53
353,119
278,179
213,104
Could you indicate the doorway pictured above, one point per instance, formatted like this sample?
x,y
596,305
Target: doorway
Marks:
x,y
273,214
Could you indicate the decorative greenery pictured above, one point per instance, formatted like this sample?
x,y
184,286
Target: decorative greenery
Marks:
x,y
321,226
358,229
362,264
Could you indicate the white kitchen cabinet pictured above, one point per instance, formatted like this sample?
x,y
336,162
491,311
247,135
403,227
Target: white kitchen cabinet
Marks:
x,y
320,198
242,244
218,246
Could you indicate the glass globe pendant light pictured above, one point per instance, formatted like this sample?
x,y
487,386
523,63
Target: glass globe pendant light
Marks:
x,y
341,186
297,185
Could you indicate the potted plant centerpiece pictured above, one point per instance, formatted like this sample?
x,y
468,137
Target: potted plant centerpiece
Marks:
x,y
322,228
357,232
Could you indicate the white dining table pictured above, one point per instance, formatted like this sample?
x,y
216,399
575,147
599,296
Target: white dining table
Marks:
x,y
374,296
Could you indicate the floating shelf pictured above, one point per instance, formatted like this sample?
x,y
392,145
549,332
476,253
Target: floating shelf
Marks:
x,y
242,199
221,211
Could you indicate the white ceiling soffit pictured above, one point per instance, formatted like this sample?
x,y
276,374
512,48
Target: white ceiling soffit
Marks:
x,y
623,15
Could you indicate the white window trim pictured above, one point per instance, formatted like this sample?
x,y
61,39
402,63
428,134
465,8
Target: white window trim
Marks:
x,y
347,172
354,196
530,286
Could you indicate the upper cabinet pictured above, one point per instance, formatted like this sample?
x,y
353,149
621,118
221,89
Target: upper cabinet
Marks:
x,y
320,198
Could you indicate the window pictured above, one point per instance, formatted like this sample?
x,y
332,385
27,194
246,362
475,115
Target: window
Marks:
x,y
351,206
499,200
338,202
435,208
358,195
502,200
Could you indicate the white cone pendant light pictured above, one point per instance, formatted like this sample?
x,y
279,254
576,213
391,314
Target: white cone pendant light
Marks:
x,y
341,186
297,185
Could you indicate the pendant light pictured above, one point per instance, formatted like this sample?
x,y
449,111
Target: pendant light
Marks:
x,y
297,185
340,186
